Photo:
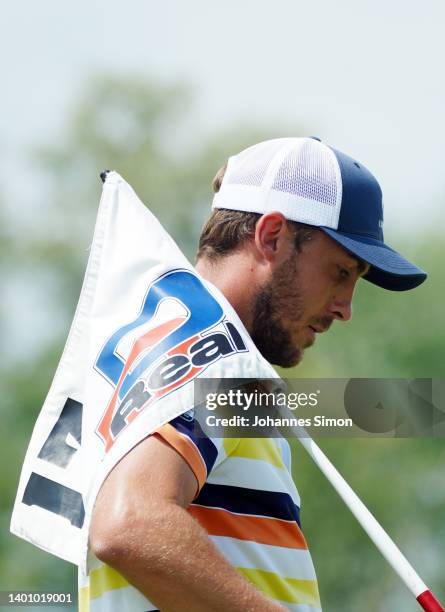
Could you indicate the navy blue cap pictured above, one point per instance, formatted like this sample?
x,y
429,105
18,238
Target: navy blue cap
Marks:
x,y
360,229
312,183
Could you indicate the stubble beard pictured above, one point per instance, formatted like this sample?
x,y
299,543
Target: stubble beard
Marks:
x,y
277,301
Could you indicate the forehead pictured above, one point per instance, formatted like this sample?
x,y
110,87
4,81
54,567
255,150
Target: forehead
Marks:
x,y
329,250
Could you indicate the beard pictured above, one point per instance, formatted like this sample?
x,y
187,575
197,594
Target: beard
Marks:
x,y
277,302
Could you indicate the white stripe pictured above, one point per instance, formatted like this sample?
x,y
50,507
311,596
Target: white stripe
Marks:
x,y
286,562
254,474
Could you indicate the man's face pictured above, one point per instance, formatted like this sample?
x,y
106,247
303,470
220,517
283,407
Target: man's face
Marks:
x,y
303,296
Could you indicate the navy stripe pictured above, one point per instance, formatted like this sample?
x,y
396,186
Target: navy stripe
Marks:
x,y
249,501
192,429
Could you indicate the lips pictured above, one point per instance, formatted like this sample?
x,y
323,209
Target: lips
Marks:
x,y
314,330
317,328
321,327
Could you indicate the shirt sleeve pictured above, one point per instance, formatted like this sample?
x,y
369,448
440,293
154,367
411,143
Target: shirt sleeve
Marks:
x,y
186,436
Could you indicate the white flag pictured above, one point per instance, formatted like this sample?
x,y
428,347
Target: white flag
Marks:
x,y
145,326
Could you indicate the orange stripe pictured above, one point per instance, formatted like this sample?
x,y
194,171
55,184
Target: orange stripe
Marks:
x,y
187,450
263,530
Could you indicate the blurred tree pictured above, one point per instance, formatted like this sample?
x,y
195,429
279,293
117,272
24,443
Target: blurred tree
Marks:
x,y
5,248
140,128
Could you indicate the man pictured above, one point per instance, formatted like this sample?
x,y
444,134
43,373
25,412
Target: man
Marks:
x,y
202,524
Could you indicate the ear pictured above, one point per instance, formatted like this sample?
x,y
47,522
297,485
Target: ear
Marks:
x,y
272,237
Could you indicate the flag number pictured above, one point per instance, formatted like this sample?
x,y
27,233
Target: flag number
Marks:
x,y
59,449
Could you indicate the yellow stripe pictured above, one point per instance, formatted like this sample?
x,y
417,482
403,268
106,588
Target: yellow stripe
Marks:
x,y
230,444
84,599
258,448
289,590
105,579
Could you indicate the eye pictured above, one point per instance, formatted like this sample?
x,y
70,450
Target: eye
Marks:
x,y
344,274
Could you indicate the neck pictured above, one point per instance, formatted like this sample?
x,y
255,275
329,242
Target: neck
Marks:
x,y
234,276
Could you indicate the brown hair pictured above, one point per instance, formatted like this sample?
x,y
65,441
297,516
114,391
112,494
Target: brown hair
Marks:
x,y
226,230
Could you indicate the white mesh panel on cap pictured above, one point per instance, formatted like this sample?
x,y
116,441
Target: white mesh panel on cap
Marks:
x,y
250,166
300,177
309,172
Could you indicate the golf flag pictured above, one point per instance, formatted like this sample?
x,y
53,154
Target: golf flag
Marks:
x,y
145,326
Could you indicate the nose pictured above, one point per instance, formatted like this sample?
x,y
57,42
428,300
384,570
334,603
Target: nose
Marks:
x,y
340,307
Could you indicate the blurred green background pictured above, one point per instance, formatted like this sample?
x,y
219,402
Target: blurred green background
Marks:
x,y
145,126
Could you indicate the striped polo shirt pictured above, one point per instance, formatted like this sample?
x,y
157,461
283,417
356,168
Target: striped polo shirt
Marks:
x,y
248,504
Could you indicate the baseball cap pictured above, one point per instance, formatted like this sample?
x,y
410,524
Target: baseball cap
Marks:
x,y
313,183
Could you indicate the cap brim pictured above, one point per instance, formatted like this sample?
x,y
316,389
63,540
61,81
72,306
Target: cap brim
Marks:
x,y
388,268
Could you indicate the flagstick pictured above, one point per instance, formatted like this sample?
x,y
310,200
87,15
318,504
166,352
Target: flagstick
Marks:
x,y
374,530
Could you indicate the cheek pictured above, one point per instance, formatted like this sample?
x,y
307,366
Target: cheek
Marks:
x,y
293,307
317,295
299,296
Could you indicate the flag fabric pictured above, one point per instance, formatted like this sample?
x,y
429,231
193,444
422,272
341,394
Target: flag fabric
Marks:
x,y
146,325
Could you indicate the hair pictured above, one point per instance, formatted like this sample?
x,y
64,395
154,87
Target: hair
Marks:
x,y
225,231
